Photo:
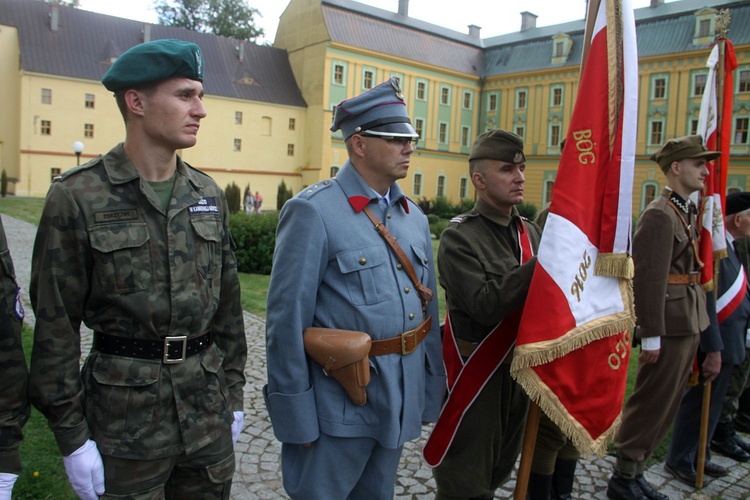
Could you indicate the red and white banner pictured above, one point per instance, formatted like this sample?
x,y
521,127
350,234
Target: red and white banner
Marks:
x,y
573,345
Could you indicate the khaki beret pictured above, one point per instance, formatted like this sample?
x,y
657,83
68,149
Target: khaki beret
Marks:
x,y
498,145
681,148
153,61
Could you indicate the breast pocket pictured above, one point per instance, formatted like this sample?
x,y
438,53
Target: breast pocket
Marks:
x,y
121,256
422,264
364,271
207,245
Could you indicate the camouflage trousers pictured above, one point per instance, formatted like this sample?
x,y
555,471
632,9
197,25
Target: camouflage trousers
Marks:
x,y
205,474
734,400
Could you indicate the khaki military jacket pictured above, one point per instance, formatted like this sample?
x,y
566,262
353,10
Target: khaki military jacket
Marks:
x,y
108,256
662,246
480,271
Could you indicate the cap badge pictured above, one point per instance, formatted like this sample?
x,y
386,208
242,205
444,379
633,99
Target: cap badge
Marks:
x,y
518,158
399,94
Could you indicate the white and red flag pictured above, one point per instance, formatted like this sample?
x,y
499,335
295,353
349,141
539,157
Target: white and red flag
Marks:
x,y
573,344
716,135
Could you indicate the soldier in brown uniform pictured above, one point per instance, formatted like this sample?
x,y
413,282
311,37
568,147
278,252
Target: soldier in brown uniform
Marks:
x,y
136,245
671,308
14,408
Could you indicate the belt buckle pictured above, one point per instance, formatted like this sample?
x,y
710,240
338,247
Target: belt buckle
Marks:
x,y
404,337
694,277
167,341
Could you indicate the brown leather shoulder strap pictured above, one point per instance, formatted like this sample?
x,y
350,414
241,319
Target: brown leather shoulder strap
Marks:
x,y
425,294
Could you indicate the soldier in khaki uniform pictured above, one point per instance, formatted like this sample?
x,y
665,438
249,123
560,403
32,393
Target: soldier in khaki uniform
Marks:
x,y
135,244
14,408
671,308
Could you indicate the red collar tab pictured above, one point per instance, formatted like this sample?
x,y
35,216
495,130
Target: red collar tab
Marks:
x,y
404,204
358,203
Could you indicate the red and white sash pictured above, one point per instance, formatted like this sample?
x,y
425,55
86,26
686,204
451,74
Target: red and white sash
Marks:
x,y
466,380
732,296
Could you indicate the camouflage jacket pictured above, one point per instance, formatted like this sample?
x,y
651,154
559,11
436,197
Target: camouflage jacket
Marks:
x,y
14,409
108,256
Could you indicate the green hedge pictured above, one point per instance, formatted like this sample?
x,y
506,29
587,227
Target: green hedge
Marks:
x,y
255,236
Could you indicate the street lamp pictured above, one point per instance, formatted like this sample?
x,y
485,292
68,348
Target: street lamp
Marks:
x,y
78,148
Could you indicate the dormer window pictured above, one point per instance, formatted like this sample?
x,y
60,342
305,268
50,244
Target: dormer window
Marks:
x,y
561,45
705,30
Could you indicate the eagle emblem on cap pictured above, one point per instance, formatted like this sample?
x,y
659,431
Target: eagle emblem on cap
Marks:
x,y
518,158
394,84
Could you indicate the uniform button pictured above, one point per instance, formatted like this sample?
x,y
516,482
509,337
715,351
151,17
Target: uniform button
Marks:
x,y
426,261
309,190
388,216
399,266
407,289
362,261
411,315
325,183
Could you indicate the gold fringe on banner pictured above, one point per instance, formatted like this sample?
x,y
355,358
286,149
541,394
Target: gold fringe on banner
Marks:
x,y
618,265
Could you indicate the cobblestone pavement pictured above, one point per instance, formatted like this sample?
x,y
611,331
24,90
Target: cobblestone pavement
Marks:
x,y
258,473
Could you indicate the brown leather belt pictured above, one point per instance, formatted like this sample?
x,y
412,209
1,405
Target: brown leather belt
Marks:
x,y
684,279
404,344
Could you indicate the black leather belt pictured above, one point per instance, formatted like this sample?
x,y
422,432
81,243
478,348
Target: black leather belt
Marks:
x,y
170,350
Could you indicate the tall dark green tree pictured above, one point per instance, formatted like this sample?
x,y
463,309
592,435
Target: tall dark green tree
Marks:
x,y
229,18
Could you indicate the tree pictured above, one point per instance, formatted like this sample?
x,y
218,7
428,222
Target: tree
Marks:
x,y
229,18
232,192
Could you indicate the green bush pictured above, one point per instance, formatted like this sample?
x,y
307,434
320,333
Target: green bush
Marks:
x,y
3,184
443,208
432,218
283,194
464,206
438,227
255,238
234,199
527,210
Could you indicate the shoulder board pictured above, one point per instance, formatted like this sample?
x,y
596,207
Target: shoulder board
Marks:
x,y
313,189
458,219
72,171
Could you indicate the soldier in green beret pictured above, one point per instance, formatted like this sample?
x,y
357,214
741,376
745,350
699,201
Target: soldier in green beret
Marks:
x,y
135,245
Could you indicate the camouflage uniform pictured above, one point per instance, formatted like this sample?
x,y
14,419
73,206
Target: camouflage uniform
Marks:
x,y
14,409
108,256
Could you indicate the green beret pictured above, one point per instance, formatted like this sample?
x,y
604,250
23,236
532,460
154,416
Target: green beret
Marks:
x,y
682,148
498,145
153,61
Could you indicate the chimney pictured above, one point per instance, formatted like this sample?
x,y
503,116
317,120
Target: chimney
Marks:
x,y
54,17
656,3
146,32
403,7
474,30
241,51
528,20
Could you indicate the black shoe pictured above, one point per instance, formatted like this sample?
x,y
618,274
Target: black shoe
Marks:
x,y
730,448
622,488
714,470
745,445
685,476
742,424
648,490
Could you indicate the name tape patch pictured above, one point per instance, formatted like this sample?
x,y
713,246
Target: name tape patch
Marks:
x,y
206,205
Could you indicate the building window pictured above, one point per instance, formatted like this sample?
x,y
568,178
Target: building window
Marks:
x,y
265,125
290,149
467,100
554,134
338,74
443,133
367,77
445,95
419,126
53,172
659,88
520,131
422,91
237,145
559,49
693,127
46,128
556,96
520,99
88,130
704,27
648,194
417,184
740,130
463,188
88,101
440,185
292,123
656,134
334,171
699,84
46,96
492,103
549,185
238,117
465,134
743,82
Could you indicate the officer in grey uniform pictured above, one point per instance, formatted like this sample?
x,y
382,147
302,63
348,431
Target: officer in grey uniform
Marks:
x,y
135,244
332,269
14,407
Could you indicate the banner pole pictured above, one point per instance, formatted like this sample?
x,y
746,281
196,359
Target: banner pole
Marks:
x,y
527,452
703,436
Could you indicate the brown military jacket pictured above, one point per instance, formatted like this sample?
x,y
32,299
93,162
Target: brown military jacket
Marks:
x,y
662,246
107,255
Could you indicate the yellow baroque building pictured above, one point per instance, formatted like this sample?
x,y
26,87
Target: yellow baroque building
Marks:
x,y
270,108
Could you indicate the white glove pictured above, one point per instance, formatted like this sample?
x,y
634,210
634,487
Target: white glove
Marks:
x,y
237,425
7,481
85,471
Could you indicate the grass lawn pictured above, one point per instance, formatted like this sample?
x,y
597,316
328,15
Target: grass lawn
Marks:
x,y
44,476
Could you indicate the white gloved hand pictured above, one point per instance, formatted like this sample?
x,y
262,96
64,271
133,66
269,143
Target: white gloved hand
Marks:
x,y
7,481
85,471
237,425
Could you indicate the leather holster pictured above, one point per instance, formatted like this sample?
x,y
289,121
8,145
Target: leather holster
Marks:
x,y
343,354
